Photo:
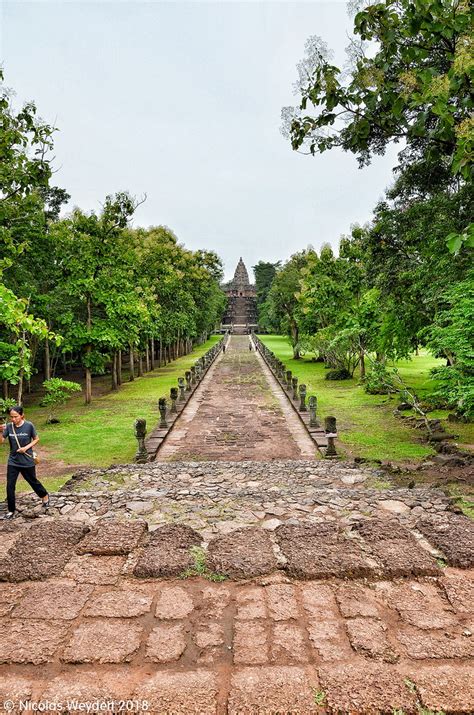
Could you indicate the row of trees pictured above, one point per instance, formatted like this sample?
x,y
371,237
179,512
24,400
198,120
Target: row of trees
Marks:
x,y
83,289
405,278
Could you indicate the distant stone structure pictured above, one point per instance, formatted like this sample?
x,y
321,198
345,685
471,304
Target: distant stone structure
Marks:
x,y
241,314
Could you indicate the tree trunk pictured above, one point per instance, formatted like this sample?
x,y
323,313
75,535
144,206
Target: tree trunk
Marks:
x,y
5,389
140,365
119,367
88,396
114,372
152,353
147,357
47,361
362,364
132,365
294,340
19,394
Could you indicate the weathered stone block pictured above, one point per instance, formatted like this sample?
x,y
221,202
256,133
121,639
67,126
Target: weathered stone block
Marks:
x,y
243,553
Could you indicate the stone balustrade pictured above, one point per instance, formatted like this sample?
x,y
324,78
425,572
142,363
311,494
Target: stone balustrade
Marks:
x,y
179,395
324,438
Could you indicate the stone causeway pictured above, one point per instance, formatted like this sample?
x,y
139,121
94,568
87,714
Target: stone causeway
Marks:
x,y
220,579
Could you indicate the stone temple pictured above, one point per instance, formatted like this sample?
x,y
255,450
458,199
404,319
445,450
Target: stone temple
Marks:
x,y
241,314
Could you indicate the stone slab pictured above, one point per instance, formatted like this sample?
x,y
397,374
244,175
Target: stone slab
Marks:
x,y
445,688
404,558
421,645
62,600
174,602
355,600
273,690
89,687
167,552
28,641
103,640
243,553
99,570
113,538
119,604
368,636
166,643
190,692
459,589
366,688
42,551
453,534
318,551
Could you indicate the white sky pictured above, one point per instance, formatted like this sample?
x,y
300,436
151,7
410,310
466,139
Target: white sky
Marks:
x,y
181,101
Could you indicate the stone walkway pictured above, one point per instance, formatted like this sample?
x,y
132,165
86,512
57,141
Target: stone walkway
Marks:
x,y
87,617
238,574
238,413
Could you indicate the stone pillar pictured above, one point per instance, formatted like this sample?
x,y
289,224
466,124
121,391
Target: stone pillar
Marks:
x,y
182,396
294,382
313,408
289,376
162,408
140,432
173,398
193,375
331,434
187,376
302,392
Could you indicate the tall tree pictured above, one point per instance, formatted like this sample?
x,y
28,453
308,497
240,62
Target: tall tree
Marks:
x,y
409,78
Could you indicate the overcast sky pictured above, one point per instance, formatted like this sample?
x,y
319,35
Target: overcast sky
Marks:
x,y
181,101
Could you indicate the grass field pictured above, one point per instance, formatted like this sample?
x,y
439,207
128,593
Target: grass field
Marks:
x,y
367,426
102,433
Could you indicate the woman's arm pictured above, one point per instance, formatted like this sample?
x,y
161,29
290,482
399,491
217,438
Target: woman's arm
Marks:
x,y
29,446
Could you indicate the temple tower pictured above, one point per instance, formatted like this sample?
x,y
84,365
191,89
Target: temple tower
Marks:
x,y
241,313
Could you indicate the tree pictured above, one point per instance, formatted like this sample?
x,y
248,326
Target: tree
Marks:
x,y
264,274
106,308
415,86
283,298
25,171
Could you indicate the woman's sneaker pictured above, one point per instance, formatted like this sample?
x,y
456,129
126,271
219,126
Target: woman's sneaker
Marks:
x,y
9,515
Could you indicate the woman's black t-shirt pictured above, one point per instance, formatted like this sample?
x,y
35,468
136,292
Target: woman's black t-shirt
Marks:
x,y
26,433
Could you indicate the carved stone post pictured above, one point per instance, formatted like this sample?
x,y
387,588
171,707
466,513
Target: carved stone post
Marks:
x,y
302,391
193,375
162,408
173,397
294,381
313,408
289,376
182,396
331,434
187,375
140,432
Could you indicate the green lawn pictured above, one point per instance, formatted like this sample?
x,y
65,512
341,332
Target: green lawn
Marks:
x,y
102,433
366,424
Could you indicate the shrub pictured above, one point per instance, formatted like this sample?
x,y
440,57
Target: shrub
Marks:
x,y
58,392
379,381
341,374
455,390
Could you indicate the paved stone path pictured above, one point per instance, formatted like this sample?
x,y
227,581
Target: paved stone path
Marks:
x,y
87,618
238,574
238,413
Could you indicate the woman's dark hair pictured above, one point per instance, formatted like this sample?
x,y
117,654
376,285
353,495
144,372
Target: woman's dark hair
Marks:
x,y
16,408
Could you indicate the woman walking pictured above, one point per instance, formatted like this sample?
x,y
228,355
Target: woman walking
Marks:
x,y
22,438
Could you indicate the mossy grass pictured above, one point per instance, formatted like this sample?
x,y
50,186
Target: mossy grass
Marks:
x,y
199,568
101,434
367,426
